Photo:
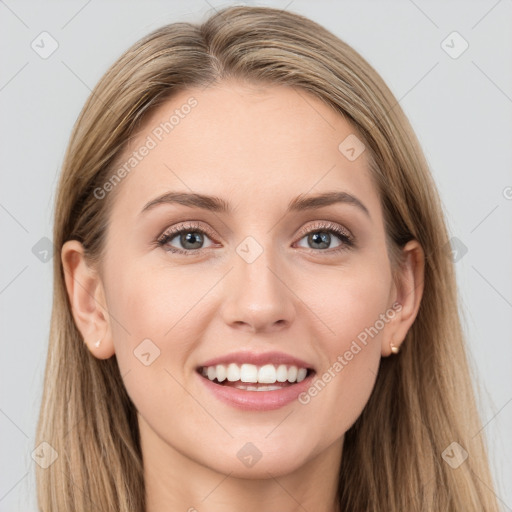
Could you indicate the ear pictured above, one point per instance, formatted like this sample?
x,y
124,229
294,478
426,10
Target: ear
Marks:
x,y
406,296
87,299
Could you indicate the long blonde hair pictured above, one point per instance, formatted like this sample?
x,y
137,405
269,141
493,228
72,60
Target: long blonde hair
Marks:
x,y
423,398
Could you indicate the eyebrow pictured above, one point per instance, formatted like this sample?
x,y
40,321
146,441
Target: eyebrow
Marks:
x,y
219,205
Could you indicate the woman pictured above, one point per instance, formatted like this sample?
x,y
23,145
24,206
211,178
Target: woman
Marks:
x,y
254,306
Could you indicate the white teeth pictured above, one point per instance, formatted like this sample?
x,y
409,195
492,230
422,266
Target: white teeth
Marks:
x,y
301,374
250,373
233,372
221,372
282,373
292,374
267,374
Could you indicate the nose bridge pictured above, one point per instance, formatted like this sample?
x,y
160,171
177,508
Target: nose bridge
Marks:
x,y
257,296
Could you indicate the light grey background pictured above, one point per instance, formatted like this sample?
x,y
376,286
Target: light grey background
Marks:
x,y
461,109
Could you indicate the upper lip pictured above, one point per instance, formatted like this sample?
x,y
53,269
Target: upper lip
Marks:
x,y
258,359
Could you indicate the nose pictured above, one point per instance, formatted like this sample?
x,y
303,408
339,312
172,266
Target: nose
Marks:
x,y
258,298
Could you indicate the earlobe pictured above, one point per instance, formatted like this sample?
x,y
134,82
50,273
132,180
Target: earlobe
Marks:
x,y
86,296
408,293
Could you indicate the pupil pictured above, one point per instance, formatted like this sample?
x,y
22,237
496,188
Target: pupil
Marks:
x,y
191,238
322,238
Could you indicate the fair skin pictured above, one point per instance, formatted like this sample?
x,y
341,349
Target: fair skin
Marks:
x,y
257,148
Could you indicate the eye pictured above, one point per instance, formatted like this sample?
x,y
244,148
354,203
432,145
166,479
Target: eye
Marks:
x,y
320,237
191,237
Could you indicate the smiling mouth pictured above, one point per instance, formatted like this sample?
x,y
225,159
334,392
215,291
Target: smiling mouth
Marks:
x,y
249,377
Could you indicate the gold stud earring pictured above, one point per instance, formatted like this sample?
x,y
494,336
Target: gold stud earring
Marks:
x,y
394,348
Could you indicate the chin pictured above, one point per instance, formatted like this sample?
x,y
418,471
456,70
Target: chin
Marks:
x,y
250,462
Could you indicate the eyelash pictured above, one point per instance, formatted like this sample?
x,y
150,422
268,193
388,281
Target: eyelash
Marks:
x,y
347,240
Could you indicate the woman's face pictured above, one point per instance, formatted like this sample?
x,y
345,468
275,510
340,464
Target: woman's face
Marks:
x,y
258,276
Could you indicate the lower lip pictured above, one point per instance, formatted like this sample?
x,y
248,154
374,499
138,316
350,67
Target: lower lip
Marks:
x,y
257,400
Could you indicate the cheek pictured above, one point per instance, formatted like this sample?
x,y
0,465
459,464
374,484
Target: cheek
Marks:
x,y
153,337
350,301
152,302
151,327
351,308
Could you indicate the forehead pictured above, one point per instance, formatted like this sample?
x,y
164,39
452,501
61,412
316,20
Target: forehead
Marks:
x,y
247,142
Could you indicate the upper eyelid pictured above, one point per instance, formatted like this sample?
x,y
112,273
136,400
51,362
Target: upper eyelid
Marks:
x,y
327,225
186,226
